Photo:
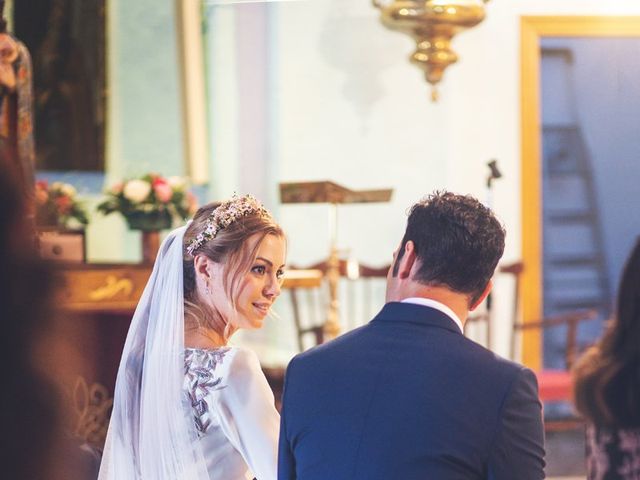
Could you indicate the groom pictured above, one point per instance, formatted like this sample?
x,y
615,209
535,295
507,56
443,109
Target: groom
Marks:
x,y
408,396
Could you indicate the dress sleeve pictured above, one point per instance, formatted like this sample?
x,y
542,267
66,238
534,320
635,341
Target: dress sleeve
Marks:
x,y
248,415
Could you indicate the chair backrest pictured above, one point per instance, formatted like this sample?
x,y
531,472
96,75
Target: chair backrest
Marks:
x,y
570,320
360,292
481,321
307,315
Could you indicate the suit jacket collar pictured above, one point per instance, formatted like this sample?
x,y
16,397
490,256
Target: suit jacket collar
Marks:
x,y
416,314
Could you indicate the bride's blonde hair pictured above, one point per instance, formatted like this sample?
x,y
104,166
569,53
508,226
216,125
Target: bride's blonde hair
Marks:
x,y
231,248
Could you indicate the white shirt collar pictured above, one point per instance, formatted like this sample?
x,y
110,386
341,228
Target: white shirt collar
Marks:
x,y
427,302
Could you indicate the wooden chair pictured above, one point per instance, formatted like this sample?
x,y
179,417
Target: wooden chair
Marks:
x,y
275,379
485,317
479,319
554,385
358,282
305,325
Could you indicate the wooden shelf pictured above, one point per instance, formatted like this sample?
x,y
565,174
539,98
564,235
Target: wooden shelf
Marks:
x,y
116,288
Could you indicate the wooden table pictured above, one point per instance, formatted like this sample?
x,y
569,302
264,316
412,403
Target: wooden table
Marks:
x,y
117,288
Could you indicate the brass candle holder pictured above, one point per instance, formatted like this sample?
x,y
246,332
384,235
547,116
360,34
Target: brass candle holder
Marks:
x,y
432,24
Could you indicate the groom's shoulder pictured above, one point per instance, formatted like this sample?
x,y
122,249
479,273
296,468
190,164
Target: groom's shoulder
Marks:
x,y
333,349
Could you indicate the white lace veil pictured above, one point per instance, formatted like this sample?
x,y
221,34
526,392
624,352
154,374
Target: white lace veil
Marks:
x,y
151,435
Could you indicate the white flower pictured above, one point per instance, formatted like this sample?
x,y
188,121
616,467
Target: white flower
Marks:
x,y
136,190
177,183
64,189
68,190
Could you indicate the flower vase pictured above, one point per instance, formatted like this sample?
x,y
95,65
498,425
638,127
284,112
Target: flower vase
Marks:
x,y
150,225
150,246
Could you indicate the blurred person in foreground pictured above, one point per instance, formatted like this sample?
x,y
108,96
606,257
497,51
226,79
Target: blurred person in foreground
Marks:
x,y
28,401
35,417
607,386
408,396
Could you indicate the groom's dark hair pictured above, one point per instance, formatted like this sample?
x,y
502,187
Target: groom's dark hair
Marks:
x,y
458,242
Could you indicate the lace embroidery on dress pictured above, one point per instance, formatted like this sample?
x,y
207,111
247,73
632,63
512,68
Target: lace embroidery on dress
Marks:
x,y
200,380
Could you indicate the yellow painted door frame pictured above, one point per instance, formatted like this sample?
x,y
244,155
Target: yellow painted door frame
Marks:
x,y
532,29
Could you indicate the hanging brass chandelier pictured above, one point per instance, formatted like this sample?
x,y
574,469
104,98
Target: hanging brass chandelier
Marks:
x,y
432,24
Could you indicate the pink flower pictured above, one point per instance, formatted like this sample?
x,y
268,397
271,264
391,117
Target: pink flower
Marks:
x,y
162,190
41,195
64,204
116,188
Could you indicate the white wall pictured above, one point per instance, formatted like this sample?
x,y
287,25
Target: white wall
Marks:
x,y
345,104
338,100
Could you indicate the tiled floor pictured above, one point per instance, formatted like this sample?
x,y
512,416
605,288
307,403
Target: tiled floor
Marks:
x,y
565,455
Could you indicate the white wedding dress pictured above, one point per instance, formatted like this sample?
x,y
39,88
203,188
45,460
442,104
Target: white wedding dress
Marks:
x,y
186,414
233,412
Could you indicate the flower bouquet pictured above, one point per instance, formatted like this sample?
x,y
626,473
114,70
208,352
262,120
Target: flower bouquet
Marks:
x,y
57,206
151,202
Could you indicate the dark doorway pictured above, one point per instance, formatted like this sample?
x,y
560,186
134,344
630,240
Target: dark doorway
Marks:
x,y
66,39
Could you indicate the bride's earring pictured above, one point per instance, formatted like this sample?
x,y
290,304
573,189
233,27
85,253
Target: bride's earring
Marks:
x,y
206,289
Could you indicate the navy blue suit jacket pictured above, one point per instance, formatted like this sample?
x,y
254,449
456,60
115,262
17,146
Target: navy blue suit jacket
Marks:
x,y
406,397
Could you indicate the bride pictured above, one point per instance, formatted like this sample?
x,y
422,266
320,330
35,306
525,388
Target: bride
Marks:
x,y
188,406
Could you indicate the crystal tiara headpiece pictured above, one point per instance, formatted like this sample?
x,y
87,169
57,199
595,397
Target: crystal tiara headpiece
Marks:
x,y
224,215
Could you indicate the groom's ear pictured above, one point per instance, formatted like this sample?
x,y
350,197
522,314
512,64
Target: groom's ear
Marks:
x,y
408,260
478,300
